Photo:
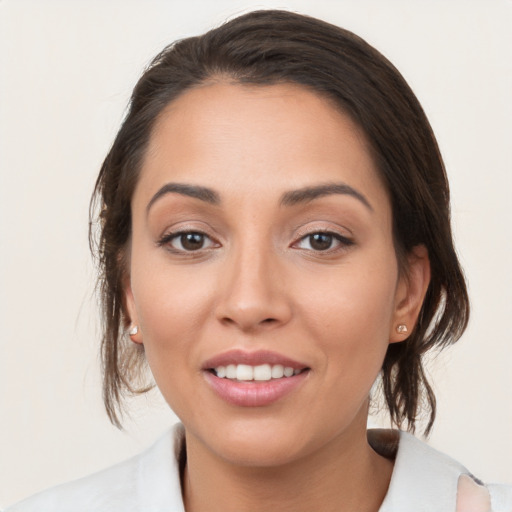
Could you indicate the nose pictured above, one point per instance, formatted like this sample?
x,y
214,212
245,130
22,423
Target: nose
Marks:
x,y
254,295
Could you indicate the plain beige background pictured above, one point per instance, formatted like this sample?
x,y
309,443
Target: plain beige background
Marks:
x,y
67,68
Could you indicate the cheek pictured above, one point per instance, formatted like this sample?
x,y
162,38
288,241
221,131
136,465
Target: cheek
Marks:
x,y
350,315
167,294
355,297
171,312
172,304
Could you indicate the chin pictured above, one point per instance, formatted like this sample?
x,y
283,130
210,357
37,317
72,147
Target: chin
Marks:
x,y
260,453
264,443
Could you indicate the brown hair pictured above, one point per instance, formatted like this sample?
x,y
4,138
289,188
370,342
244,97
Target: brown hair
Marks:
x,y
269,47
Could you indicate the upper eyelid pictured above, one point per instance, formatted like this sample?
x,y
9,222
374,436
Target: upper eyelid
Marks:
x,y
334,234
187,226
309,229
170,235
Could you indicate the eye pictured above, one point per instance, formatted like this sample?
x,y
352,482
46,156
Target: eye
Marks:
x,y
323,241
187,241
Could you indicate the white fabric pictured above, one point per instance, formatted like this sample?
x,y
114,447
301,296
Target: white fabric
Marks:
x,y
423,480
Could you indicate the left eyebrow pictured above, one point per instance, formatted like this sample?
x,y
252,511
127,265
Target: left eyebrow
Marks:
x,y
306,194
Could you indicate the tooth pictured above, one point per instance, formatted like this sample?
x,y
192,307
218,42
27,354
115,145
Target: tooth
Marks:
x,y
288,372
244,372
231,371
262,372
277,371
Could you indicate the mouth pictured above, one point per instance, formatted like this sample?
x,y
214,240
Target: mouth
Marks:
x,y
259,373
254,379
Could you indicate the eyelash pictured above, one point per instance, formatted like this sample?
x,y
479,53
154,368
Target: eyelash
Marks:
x,y
342,241
167,239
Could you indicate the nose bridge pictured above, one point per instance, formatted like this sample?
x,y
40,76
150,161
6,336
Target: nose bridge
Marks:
x,y
252,294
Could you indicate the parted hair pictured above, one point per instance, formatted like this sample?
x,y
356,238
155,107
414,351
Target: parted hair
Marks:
x,y
270,47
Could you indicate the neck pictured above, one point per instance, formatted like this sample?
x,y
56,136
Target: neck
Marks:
x,y
345,475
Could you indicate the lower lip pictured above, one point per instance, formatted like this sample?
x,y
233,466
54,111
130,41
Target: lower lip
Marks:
x,y
254,393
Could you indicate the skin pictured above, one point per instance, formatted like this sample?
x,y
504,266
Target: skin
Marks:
x,y
258,282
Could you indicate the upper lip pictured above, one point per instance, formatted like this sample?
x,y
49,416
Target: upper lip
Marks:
x,y
255,358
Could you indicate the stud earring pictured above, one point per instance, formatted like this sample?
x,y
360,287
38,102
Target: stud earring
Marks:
x,y
402,329
134,329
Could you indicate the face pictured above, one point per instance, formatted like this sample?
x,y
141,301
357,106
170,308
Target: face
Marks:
x,y
262,273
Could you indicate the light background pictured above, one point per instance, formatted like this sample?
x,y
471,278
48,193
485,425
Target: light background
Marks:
x,y
67,69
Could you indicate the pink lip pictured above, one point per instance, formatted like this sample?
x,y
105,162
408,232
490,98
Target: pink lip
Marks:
x,y
238,356
253,393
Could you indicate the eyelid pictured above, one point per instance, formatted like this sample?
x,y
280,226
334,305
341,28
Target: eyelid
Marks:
x,y
185,226
310,228
173,233
167,238
344,241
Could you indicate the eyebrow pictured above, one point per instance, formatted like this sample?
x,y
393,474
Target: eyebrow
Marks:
x,y
306,194
196,191
291,198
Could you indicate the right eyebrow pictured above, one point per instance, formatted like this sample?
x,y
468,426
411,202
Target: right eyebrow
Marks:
x,y
196,191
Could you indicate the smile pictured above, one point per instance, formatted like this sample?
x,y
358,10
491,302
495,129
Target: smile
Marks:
x,y
254,379
262,372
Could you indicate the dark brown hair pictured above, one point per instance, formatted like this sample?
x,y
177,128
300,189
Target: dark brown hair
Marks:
x,y
269,47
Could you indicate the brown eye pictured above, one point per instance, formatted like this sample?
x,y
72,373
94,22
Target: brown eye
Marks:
x,y
192,241
186,241
324,241
320,241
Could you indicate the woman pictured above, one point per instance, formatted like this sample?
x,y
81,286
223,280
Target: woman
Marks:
x,y
274,235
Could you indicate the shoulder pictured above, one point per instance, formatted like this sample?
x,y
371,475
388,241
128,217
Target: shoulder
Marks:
x,y
132,485
423,475
99,491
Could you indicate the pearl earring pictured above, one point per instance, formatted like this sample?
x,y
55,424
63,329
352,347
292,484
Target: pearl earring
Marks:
x,y
402,329
133,330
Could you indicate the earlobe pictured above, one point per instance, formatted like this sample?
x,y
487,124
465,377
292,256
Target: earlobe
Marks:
x,y
410,293
134,330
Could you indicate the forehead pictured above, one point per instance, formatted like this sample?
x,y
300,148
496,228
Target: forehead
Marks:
x,y
258,138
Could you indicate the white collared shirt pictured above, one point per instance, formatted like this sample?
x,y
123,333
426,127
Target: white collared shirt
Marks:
x,y
423,480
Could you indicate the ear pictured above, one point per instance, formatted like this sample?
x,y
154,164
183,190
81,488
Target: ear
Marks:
x,y
131,310
410,293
